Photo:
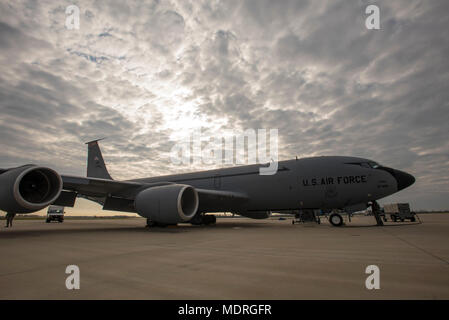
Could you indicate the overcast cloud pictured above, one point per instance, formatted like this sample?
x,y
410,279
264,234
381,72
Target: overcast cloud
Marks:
x,y
146,75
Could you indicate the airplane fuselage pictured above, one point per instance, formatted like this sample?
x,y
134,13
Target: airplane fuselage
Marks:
x,y
317,182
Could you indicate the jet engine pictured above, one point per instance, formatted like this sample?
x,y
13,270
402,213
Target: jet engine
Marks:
x,y
168,204
28,188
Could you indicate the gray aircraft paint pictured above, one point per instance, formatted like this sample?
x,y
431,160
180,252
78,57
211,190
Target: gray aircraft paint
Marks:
x,y
318,182
96,167
333,182
339,182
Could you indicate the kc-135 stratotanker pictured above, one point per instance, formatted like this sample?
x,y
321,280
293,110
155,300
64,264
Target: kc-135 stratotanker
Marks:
x,y
328,182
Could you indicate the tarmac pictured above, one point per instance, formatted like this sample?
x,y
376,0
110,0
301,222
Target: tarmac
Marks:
x,y
237,258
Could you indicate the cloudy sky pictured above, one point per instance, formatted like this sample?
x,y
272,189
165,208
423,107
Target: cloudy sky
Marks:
x,y
147,73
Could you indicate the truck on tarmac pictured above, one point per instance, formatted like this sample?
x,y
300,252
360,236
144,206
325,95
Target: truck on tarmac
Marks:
x,y
399,212
55,213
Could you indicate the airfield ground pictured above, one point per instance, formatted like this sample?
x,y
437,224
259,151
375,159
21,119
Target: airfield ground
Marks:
x,y
238,258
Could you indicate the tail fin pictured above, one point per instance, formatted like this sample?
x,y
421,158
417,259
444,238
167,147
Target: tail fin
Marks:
x,y
96,167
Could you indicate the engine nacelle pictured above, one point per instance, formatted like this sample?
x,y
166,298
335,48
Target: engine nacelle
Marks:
x,y
29,188
168,204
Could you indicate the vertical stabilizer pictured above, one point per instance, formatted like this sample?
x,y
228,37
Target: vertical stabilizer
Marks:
x,y
96,167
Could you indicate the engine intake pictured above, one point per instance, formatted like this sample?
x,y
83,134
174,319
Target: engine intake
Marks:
x,y
168,204
29,188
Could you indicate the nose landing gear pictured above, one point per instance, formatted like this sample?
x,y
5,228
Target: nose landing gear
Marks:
x,y
375,208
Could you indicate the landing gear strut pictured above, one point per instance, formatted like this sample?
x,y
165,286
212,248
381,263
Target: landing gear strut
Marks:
x,y
209,219
375,208
203,219
152,224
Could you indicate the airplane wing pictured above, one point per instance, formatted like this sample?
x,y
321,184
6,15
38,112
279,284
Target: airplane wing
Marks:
x,y
220,200
97,187
120,195
112,194
221,194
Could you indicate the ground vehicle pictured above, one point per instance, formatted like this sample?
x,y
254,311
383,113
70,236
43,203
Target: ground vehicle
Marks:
x,y
307,215
55,213
399,211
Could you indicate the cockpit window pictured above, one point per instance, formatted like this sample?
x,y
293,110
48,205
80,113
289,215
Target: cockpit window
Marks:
x,y
370,164
373,165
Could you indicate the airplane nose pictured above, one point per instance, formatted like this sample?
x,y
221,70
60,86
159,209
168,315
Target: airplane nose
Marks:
x,y
404,179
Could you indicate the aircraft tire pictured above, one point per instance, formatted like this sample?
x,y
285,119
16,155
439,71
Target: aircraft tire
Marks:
x,y
154,224
209,219
336,219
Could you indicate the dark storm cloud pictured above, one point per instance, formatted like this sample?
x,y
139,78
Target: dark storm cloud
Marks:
x,y
135,70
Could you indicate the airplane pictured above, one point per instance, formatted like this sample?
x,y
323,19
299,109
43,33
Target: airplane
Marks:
x,y
326,182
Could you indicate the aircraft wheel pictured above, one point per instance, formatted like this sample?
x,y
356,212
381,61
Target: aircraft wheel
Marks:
x,y
336,219
412,219
209,219
153,224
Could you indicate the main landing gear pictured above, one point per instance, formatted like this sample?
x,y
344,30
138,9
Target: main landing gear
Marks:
x,y
198,220
306,215
203,219
153,224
